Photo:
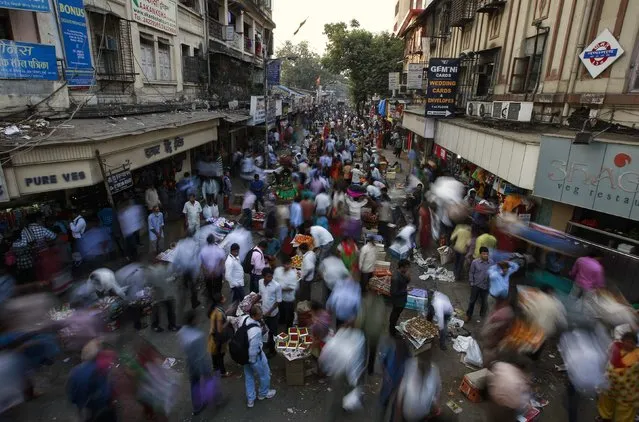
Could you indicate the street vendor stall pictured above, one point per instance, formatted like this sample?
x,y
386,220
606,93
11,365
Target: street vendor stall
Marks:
x,y
419,332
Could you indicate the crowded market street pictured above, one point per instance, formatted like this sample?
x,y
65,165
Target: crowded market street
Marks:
x,y
362,210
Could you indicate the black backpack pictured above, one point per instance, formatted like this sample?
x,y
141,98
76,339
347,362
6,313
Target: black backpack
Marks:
x,y
239,344
247,264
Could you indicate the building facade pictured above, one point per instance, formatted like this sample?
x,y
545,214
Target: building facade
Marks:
x,y
92,63
547,104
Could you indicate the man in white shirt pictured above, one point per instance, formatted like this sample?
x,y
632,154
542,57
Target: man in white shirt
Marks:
x,y
210,211
151,198
367,259
186,263
78,226
156,231
271,297
258,264
286,276
357,174
234,273
322,203
332,270
192,212
309,261
323,240
442,310
355,207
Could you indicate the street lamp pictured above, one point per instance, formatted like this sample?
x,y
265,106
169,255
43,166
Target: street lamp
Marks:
x,y
267,62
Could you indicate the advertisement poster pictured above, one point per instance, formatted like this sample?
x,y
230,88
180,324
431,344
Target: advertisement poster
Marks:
x,y
158,14
23,60
441,91
415,77
73,24
31,5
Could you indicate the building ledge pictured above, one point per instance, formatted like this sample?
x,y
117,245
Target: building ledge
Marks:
x,y
161,83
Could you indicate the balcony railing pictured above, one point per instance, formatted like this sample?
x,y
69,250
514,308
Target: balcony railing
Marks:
x,y
216,29
194,69
237,41
462,12
490,6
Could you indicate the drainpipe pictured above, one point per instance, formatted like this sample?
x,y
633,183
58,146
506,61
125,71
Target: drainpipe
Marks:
x,y
581,43
206,46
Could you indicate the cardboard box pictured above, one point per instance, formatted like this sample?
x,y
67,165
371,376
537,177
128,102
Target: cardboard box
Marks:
x,y
295,372
473,384
416,303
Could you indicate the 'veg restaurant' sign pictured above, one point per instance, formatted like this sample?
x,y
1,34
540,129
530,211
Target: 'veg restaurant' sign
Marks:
x,y
599,176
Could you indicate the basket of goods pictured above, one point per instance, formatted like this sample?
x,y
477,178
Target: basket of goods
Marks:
x,y
380,285
285,192
110,307
296,261
369,219
294,344
286,161
419,331
247,303
144,300
524,337
301,238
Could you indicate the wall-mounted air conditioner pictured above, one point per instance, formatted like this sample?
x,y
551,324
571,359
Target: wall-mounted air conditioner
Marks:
x,y
479,109
516,111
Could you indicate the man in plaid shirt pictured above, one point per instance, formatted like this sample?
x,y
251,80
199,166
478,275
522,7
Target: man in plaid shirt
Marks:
x,y
34,234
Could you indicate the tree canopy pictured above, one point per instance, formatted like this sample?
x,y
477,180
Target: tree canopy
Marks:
x,y
364,58
303,71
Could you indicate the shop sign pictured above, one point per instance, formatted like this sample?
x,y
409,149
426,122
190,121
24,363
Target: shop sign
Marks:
x,y
274,69
393,81
441,90
600,176
258,112
169,146
440,152
120,181
73,24
32,5
601,53
415,77
23,60
158,14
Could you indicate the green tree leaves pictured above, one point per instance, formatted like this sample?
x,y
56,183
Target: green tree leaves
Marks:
x,y
365,58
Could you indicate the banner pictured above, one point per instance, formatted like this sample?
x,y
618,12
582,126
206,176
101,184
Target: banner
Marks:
x,y
32,5
393,81
73,24
415,78
23,60
273,72
158,14
441,91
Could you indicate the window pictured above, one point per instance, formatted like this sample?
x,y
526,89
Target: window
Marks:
x,y
518,75
147,59
485,72
5,25
186,50
396,8
193,4
214,11
527,70
111,37
634,76
444,19
164,60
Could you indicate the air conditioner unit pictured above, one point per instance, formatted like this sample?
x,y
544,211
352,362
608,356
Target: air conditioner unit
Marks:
x,y
479,109
111,43
515,111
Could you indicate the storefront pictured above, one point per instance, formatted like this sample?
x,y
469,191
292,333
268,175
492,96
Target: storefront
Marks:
x,y
591,191
420,130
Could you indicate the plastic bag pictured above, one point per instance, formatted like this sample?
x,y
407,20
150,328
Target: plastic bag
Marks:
x,y
473,354
446,254
508,386
585,354
352,402
419,390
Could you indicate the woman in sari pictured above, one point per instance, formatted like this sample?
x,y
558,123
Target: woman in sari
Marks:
x,y
424,227
619,402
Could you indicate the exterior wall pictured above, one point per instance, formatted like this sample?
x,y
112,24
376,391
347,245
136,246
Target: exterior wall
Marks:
x,y
16,95
402,11
564,83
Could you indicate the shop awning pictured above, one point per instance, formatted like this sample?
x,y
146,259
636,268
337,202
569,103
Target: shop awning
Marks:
x,y
235,117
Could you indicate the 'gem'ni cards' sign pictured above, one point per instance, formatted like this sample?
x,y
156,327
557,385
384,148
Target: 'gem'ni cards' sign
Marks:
x,y
158,14
601,53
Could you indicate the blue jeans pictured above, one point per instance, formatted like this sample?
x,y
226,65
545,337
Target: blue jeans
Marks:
x,y
262,371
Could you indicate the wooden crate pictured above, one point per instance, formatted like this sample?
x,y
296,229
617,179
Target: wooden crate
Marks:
x,y
473,384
